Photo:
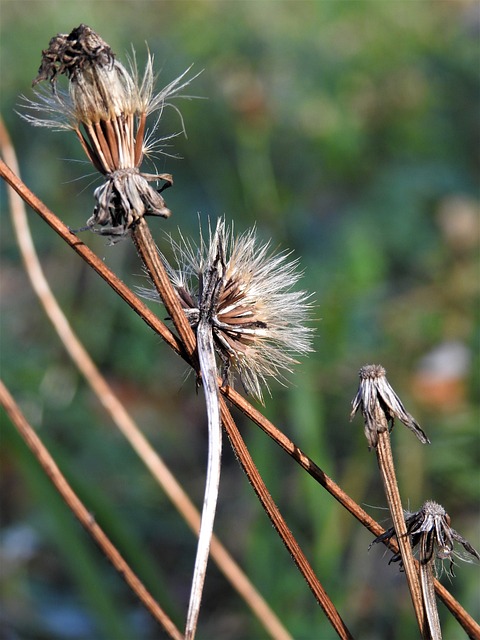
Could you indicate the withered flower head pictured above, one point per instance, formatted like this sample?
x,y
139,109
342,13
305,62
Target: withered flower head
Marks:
x,y
245,292
432,536
107,107
380,405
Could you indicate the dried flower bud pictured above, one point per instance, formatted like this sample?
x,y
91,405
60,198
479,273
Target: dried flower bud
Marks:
x,y
245,293
107,107
380,405
432,536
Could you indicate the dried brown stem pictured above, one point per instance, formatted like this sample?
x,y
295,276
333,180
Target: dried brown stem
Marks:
x,y
149,255
387,471
92,260
82,513
148,252
280,525
465,620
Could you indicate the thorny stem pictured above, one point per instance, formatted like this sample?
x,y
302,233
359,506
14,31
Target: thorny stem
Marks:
x,y
465,620
387,471
82,513
208,368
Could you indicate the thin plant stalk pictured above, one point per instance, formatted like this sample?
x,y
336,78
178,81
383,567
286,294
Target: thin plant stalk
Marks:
x,y
471,627
119,414
208,368
148,253
430,602
380,407
280,525
82,513
387,472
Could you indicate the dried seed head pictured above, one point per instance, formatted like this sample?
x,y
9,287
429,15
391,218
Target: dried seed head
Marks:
x,y
432,536
107,107
380,405
245,292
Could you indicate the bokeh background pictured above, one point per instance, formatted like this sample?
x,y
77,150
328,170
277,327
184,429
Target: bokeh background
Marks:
x,y
346,131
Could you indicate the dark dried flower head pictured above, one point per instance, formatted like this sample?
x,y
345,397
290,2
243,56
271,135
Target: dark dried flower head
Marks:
x,y
432,536
380,405
107,107
245,292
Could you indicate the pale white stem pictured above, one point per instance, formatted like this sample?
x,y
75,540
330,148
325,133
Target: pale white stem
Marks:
x,y
428,591
208,368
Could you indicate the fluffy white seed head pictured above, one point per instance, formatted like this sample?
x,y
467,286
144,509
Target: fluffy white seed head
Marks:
x,y
258,320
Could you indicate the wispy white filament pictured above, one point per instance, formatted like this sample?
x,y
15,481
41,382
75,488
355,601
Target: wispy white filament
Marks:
x,y
108,92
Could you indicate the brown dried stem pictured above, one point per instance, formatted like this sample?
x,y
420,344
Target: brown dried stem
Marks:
x,y
148,252
279,523
387,471
465,620
82,513
149,255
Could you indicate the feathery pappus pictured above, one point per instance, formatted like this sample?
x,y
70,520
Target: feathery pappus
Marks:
x,y
246,292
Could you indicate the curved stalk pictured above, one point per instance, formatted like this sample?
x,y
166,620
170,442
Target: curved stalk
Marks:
x,y
208,368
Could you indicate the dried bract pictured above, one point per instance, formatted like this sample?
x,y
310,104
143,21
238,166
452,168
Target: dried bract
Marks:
x,y
432,536
107,107
380,405
245,292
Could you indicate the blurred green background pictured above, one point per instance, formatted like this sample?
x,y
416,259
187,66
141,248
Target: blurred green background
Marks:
x,y
346,131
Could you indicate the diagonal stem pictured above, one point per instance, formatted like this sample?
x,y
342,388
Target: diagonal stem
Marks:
x,y
280,525
82,513
149,255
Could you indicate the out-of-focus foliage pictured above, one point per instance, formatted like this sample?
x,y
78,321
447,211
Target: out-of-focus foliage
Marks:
x,y
346,131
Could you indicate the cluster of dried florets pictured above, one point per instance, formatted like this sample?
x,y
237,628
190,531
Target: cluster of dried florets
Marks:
x,y
107,107
380,405
432,536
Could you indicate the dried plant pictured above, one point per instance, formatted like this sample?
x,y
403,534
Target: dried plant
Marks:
x,y
107,107
433,538
239,300
380,405
245,294
431,535
235,295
